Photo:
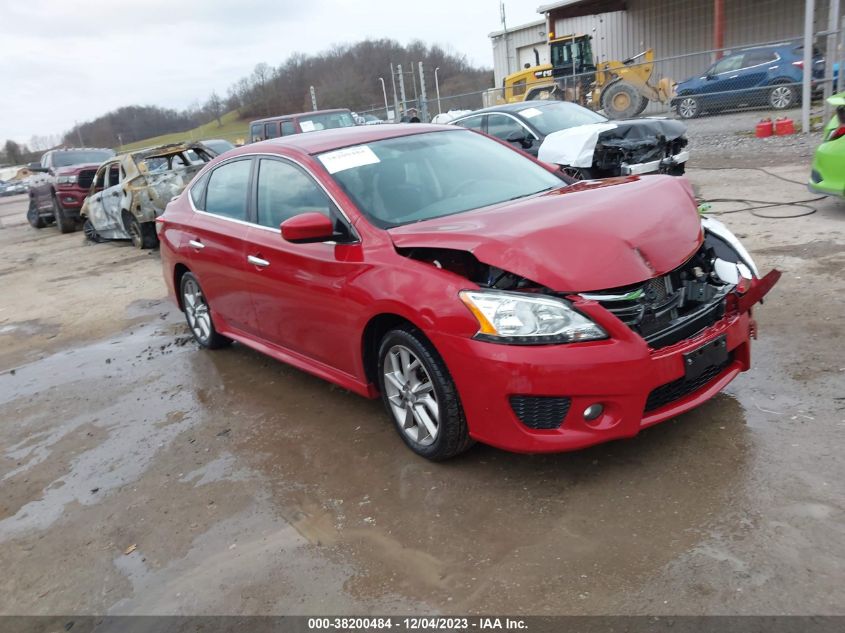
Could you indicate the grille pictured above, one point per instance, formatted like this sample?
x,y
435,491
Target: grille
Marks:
x,y
540,412
677,389
85,178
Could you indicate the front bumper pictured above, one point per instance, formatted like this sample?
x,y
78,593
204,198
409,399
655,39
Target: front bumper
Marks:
x,y
71,198
620,373
655,166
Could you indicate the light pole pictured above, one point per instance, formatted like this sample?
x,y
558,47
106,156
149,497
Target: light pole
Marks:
x,y
437,90
384,92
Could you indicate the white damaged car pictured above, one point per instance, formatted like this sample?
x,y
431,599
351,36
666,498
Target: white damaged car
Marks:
x,y
584,143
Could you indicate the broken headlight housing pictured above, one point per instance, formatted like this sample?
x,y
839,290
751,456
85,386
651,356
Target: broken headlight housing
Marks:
x,y
66,180
518,318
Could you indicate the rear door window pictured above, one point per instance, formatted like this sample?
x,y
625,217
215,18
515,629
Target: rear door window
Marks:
x,y
227,189
271,130
288,127
255,132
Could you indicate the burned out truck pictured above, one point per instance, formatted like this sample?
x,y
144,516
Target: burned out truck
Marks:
x,y
130,191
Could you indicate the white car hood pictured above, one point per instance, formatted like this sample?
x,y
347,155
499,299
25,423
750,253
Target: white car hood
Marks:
x,y
573,147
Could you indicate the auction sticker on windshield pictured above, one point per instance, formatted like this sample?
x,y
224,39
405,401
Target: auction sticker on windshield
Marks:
x,y
348,158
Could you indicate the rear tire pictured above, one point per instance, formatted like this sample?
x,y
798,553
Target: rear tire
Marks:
x,y
143,234
782,96
65,224
620,100
198,314
420,396
33,217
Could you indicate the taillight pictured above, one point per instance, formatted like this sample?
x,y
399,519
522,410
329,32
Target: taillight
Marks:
x,y
799,64
837,133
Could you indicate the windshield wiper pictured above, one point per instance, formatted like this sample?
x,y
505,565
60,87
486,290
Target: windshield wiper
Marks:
x,y
533,193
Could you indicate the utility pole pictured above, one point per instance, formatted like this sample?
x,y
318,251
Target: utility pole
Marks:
x,y
505,36
809,8
402,87
384,92
423,99
313,98
395,98
437,90
830,55
414,80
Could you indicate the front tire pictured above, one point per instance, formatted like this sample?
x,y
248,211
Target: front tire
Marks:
x,y
198,314
420,396
621,100
688,107
65,224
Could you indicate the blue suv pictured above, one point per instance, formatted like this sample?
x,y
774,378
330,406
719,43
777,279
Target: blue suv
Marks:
x,y
763,75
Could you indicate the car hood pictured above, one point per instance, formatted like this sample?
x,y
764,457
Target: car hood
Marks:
x,y
593,235
75,169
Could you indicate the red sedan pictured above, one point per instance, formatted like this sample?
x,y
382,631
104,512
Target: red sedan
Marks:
x,y
464,283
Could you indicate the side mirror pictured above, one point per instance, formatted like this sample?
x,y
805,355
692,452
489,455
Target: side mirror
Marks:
x,y
520,137
307,228
710,76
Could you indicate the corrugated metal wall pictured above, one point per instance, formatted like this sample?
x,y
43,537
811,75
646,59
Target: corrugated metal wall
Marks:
x,y
677,28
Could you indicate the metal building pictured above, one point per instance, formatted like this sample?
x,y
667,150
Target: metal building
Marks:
x,y
682,32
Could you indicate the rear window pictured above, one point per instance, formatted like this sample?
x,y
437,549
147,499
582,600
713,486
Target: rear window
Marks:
x,y
326,121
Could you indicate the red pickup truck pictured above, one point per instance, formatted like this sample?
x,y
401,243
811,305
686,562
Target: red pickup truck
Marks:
x,y
61,182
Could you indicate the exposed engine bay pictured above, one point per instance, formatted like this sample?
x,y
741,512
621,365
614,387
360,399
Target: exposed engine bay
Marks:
x,y
619,148
663,310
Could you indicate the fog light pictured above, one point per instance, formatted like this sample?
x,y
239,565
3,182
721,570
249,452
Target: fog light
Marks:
x,y
593,411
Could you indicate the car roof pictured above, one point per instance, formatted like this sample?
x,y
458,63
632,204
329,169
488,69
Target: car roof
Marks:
x,y
518,107
336,138
298,114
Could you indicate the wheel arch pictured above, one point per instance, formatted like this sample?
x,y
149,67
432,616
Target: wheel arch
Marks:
x,y
374,331
179,271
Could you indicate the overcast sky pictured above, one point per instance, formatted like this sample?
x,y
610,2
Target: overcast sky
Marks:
x,y
64,62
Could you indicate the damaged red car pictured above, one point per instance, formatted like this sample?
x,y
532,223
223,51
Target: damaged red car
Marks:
x,y
465,284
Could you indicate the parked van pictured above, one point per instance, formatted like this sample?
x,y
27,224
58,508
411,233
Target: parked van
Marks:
x,y
288,124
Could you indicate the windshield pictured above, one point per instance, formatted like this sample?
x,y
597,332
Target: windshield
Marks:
x,y
553,117
79,157
413,178
326,121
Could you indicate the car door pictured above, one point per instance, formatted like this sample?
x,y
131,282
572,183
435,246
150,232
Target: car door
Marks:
x,y
506,127
753,74
216,241
111,196
721,81
301,292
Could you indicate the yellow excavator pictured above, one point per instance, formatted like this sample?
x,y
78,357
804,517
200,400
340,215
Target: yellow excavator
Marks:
x,y
622,89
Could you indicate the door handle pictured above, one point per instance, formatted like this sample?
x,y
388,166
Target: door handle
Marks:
x,y
196,244
257,261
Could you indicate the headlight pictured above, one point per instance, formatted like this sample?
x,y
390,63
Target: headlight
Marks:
x,y
719,229
509,317
66,180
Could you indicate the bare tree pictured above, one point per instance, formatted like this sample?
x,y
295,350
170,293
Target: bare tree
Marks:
x,y
214,107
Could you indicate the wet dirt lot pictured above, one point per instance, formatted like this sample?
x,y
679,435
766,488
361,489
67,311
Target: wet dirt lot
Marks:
x,y
140,474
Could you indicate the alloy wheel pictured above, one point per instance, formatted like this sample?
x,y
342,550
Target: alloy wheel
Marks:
x,y
411,395
688,108
196,310
781,97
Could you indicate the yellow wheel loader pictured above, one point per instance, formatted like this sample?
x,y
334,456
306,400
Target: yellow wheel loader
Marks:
x,y
622,89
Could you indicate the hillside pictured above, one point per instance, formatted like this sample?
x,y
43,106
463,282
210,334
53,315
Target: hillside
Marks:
x,y
232,129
